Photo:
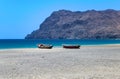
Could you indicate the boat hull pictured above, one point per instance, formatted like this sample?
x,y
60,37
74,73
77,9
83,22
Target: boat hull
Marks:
x,y
45,46
72,47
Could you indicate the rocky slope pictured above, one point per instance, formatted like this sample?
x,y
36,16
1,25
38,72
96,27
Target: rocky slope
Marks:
x,y
91,24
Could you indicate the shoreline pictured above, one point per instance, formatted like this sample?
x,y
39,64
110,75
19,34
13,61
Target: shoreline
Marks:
x,y
58,47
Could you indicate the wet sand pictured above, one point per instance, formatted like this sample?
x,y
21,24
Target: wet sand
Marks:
x,y
88,62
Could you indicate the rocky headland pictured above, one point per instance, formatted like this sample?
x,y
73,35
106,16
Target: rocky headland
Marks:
x,y
90,24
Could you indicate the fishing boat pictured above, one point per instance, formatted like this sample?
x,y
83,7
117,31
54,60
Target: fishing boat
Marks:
x,y
45,46
71,46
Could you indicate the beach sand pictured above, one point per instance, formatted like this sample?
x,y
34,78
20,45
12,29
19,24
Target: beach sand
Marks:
x,y
88,62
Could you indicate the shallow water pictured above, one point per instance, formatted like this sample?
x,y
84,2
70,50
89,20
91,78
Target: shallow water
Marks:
x,y
22,43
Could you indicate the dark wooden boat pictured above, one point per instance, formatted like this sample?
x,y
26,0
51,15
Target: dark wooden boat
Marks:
x,y
44,46
71,46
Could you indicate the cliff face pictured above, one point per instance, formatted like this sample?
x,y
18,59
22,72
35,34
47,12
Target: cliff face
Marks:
x,y
90,24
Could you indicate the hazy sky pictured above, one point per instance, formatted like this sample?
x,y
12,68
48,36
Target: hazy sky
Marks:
x,y
20,17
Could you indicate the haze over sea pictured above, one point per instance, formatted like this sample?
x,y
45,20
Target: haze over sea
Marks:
x,y
22,43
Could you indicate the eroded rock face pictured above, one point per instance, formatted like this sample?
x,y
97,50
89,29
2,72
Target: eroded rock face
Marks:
x,y
91,24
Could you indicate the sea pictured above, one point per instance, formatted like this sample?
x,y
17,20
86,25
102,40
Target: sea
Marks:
x,y
24,43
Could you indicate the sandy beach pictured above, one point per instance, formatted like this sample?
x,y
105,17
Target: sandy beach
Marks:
x,y
88,62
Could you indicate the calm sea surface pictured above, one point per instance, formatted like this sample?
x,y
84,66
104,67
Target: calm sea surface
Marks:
x,y
22,43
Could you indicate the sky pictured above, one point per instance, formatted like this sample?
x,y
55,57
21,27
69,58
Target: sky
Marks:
x,y
20,17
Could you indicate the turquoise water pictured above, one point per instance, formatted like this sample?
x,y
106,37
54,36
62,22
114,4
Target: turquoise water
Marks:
x,y
21,43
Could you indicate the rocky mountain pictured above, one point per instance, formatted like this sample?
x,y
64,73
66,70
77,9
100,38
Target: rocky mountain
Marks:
x,y
91,24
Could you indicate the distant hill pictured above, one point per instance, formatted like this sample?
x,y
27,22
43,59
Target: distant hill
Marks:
x,y
91,24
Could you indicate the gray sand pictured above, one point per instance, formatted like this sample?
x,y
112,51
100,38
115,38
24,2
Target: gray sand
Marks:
x,y
89,62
